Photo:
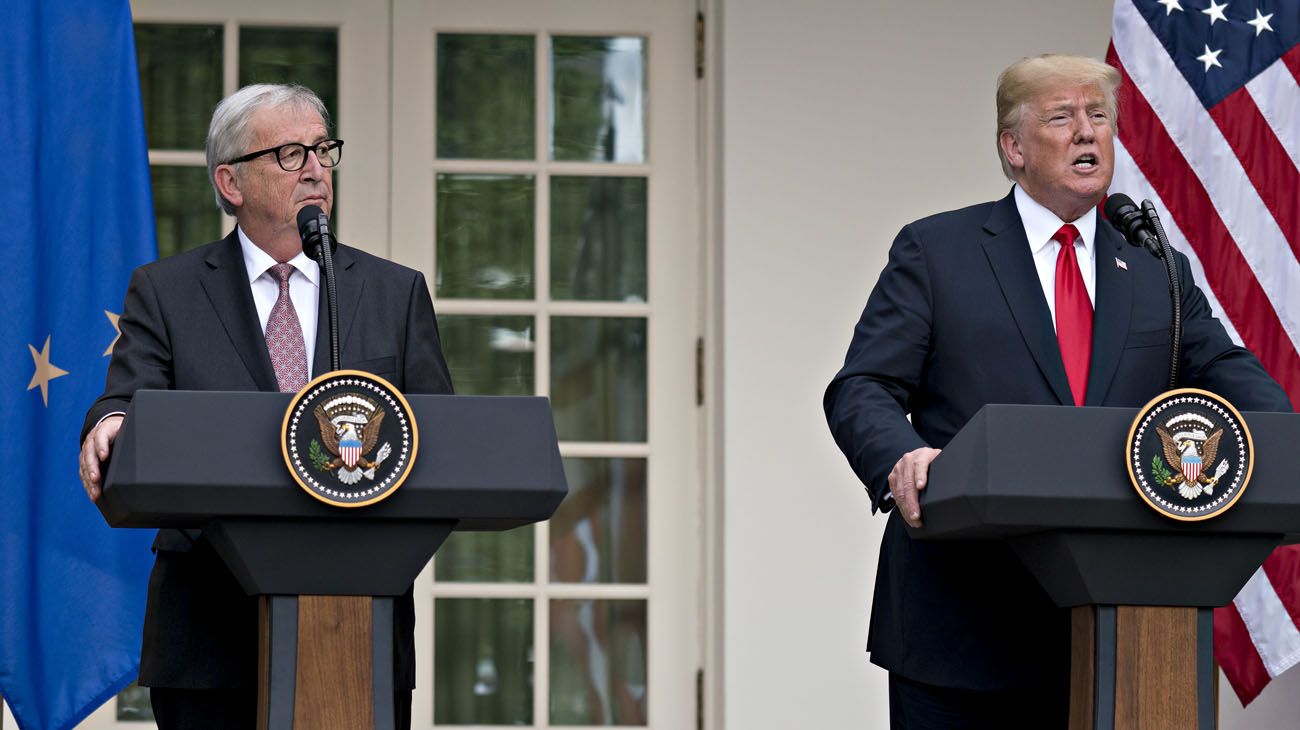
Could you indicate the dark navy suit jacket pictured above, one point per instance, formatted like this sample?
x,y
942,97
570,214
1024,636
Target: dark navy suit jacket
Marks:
x,y
189,323
958,320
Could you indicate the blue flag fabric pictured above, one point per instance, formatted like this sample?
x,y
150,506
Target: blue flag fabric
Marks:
x,y
78,218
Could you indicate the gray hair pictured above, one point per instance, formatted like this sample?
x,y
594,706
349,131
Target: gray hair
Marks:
x,y
1029,77
228,133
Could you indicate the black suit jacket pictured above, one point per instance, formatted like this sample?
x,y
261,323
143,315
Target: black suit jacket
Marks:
x,y
189,323
958,320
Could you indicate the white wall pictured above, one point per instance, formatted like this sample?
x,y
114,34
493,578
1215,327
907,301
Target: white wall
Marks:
x,y
842,120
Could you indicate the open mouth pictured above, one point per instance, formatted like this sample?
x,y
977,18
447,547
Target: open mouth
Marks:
x,y
1084,162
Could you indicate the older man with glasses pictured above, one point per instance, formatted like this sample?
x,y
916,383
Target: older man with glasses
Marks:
x,y
243,313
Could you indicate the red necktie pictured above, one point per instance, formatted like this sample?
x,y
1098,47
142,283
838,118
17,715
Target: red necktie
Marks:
x,y
284,336
1073,314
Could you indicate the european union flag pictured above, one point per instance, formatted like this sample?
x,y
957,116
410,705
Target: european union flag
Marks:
x,y
77,219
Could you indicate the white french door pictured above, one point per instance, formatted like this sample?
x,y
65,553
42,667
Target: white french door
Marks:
x,y
543,175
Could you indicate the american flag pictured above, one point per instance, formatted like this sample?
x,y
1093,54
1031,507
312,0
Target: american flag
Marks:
x,y
1210,132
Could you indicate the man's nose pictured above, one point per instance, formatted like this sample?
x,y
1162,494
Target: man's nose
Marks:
x,y
1084,131
311,168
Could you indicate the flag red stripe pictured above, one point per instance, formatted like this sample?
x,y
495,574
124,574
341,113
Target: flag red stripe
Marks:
x,y
1236,655
1226,271
1265,161
1283,571
1292,60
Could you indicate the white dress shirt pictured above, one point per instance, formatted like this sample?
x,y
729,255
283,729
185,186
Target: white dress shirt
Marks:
x,y
304,290
1040,225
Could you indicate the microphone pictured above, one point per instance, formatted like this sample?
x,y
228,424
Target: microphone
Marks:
x,y
314,229
1124,214
1141,227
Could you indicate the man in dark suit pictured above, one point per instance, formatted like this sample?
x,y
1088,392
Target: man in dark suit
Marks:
x,y
202,320
1029,299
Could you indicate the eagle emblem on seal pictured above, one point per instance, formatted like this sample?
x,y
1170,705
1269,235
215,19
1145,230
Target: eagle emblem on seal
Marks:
x,y
1191,453
349,427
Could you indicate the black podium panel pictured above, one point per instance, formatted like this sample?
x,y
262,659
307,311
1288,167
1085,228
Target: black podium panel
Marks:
x,y
1052,482
1016,470
484,463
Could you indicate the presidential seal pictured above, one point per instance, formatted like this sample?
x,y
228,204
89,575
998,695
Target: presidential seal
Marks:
x,y
1189,454
349,438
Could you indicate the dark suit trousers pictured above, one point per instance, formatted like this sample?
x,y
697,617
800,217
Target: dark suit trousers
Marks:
x,y
918,706
230,709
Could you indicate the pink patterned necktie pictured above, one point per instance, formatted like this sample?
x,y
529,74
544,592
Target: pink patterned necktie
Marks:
x,y
284,336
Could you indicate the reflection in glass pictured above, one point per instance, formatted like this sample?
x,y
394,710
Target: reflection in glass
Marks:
x,y
598,94
598,662
180,82
598,378
133,704
185,211
483,661
598,535
489,355
598,238
485,236
486,97
487,557
305,56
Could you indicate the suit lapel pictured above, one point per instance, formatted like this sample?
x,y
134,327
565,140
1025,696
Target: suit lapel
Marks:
x,y
1013,265
350,285
226,284
1110,321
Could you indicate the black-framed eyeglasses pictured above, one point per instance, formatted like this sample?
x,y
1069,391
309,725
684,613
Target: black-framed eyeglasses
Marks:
x,y
293,156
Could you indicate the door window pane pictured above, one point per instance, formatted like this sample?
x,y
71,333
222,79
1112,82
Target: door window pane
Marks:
x,y
180,82
486,557
489,355
598,534
598,662
280,55
483,661
598,238
598,92
598,378
486,97
485,236
133,704
185,209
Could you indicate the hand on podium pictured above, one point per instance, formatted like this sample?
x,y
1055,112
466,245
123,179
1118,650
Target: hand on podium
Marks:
x,y
94,452
907,479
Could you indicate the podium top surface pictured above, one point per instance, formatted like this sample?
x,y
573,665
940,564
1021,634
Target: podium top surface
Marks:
x,y
185,458
1020,469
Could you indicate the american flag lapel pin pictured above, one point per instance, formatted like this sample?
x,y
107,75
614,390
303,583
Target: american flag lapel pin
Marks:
x,y
1121,263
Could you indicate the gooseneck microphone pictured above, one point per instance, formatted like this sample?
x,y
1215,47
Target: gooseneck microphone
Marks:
x,y
1141,227
314,229
1124,214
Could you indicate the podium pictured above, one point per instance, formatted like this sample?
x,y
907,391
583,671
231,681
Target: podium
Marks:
x,y
326,575
1141,587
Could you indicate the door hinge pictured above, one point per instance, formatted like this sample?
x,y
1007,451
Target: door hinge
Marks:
x,y
699,699
699,371
699,45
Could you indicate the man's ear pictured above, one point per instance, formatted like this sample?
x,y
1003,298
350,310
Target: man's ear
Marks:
x,y
228,183
1011,148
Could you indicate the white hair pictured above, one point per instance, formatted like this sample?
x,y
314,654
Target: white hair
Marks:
x,y
228,133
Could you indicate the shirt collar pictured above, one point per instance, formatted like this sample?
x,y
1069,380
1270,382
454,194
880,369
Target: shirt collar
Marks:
x,y
257,261
1041,224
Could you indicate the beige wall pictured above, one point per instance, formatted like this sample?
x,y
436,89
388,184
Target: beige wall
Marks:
x,y
842,120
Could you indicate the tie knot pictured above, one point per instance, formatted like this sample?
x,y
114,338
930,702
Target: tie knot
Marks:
x,y
281,272
1066,235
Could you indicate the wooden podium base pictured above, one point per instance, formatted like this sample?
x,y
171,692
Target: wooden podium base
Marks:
x,y
325,663
1142,668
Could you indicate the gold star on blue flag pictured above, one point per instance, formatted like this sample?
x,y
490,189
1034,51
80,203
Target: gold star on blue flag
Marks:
x,y
79,218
